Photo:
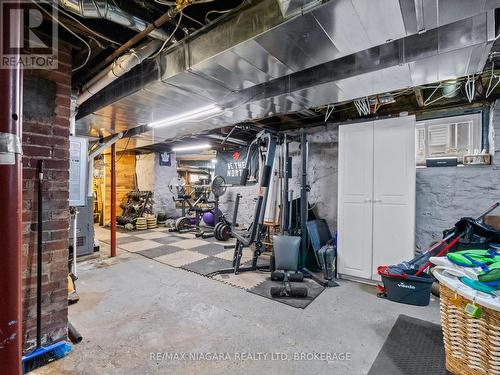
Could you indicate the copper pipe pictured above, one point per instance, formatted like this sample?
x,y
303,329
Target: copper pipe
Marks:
x,y
113,200
11,212
171,13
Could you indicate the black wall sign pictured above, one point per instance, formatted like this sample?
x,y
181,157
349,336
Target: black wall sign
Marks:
x,y
165,159
230,165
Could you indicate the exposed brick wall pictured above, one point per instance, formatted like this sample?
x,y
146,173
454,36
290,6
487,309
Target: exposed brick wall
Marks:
x,y
46,136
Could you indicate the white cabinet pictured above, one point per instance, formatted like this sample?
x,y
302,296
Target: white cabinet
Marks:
x,y
376,214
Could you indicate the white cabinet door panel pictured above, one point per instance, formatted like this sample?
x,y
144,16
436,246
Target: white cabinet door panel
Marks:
x,y
355,196
393,191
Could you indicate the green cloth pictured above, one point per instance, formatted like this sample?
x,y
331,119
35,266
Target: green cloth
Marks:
x,y
492,275
487,260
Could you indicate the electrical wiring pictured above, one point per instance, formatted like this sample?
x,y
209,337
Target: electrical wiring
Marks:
x,y
207,20
470,88
172,3
154,55
99,35
329,111
126,146
363,106
356,104
194,20
489,90
428,101
72,33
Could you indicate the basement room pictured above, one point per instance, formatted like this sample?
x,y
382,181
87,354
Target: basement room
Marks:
x,y
250,186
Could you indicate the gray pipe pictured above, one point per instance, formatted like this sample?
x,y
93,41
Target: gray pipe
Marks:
x,y
119,67
105,9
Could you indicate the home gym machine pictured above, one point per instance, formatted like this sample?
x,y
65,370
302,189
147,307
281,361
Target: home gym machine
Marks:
x,y
219,226
255,233
296,232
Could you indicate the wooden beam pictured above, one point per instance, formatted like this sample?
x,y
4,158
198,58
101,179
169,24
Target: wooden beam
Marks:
x,y
419,96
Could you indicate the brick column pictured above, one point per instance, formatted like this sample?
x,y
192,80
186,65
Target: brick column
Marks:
x,y
46,136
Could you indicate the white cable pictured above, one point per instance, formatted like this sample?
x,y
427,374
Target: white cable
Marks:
x,y
86,27
71,32
167,40
358,107
207,20
489,90
365,105
329,111
470,87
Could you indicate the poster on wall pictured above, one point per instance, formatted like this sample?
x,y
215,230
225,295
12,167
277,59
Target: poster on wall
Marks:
x,y
165,159
230,165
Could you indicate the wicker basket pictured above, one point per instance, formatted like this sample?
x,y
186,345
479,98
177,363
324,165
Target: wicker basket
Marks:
x,y
472,345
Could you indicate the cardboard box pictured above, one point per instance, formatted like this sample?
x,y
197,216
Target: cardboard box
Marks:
x,y
494,221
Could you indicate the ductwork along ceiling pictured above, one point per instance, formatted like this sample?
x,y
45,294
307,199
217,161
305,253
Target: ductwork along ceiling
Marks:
x,y
277,57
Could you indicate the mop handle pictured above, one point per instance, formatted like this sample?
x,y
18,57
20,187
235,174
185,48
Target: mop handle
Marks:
x,y
39,255
452,234
488,211
442,252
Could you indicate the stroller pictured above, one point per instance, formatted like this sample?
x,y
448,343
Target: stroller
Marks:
x,y
408,282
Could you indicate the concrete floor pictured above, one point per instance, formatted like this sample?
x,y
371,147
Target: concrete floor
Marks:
x,y
132,306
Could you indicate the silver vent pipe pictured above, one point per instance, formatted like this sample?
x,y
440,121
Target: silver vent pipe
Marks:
x,y
119,67
105,9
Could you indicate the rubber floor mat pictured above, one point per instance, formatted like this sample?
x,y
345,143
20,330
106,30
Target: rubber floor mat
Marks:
x,y
313,291
413,347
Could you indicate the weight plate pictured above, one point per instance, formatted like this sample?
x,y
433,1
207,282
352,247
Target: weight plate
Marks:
x,y
216,231
182,223
219,232
225,232
218,186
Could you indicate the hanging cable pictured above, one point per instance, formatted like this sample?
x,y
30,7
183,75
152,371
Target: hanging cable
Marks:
x,y
489,90
470,88
72,33
207,20
99,35
329,111
154,55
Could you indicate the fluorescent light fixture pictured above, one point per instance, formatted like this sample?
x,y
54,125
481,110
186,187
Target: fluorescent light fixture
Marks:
x,y
196,114
192,147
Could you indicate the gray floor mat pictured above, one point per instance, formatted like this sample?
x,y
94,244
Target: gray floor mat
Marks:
x,y
168,239
313,291
208,265
159,251
210,249
413,347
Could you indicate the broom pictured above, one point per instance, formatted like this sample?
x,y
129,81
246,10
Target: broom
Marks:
x,y
42,354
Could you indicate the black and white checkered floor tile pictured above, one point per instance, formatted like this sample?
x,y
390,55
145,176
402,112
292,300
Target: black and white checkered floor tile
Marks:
x,y
202,256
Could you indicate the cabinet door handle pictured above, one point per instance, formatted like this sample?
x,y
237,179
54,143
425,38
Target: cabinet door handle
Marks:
x,y
368,200
377,200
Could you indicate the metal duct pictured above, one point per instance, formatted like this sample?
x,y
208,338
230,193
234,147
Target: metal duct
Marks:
x,y
105,9
119,67
257,65
291,8
423,15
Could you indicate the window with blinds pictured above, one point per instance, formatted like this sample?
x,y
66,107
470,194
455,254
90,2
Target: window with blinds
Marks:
x,y
448,137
